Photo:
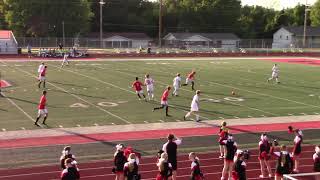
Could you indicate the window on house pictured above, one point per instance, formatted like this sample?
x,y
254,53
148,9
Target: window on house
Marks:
x,y
287,37
280,36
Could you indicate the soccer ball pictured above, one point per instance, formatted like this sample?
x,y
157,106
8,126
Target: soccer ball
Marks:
x,y
233,93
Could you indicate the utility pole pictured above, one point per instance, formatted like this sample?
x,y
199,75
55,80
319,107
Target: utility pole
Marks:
x,y
101,22
305,24
160,23
63,35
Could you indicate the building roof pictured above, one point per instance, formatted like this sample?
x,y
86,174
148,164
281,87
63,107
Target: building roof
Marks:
x,y
5,34
298,30
127,35
211,36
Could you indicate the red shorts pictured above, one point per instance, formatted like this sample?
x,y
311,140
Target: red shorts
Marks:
x,y
119,172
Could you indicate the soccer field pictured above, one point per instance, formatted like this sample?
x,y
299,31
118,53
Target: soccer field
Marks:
x,y
97,93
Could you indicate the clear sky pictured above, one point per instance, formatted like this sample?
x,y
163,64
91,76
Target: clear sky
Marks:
x,y
276,4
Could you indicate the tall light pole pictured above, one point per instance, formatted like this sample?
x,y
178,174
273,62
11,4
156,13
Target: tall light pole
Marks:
x,y
305,24
101,22
160,23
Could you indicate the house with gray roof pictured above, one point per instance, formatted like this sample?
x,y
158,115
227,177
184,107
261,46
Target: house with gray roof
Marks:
x,y
123,39
216,40
292,37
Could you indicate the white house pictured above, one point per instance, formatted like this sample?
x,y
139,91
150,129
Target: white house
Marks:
x,y
217,40
8,43
287,37
124,40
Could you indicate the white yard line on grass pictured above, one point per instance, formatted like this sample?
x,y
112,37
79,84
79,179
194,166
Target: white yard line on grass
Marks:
x,y
255,109
77,97
262,94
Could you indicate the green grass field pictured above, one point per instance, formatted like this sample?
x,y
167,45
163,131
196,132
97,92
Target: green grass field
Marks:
x,y
104,89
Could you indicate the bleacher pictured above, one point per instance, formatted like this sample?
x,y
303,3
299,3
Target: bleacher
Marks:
x,y
8,43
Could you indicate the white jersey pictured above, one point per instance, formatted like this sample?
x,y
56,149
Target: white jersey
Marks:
x,y
177,81
195,103
275,69
41,67
65,57
149,82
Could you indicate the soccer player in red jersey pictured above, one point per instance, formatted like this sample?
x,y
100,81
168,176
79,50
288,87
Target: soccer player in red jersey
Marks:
x,y
42,77
42,109
137,85
190,79
164,101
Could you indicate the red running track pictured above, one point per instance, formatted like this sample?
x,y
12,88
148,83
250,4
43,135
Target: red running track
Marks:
x,y
99,170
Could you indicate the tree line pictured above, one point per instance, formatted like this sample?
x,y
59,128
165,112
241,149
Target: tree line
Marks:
x,y
45,18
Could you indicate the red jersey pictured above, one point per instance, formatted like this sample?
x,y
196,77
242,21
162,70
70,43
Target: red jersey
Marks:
x,y
191,75
165,95
43,101
43,72
137,85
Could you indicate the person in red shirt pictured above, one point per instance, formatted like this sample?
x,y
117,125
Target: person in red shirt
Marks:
x,y
164,101
42,109
42,77
190,79
137,85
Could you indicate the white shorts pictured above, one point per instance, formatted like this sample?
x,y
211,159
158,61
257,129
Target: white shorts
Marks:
x,y
176,87
42,78
194,107
139,92
189,80
42,112
275,75
65,61
149,88
164,103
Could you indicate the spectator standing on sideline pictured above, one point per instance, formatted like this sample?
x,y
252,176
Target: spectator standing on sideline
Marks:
x,y
223,135
29,51
71,172
230,151
170,148
131,168
316,159
165,168
119,161
264,156
284,163
66,154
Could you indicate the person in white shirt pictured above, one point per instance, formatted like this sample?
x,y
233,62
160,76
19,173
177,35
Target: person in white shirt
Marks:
x,y
171,149
275,73
149,82
176,84
194,107
40,68
65,60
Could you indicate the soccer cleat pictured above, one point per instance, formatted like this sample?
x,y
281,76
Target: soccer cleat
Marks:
x,y
153,110
36,124
268,80
44,123
198,120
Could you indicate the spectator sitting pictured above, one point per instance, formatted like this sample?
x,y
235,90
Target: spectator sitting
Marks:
x,y
71,172
316,159
66,154
131,168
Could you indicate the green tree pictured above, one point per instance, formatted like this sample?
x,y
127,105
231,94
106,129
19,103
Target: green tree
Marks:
x,y
45,17
315,14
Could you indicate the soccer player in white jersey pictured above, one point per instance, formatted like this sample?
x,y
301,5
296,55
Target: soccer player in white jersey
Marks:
x,y
176,84
149,82
275,73
194,107
65,60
